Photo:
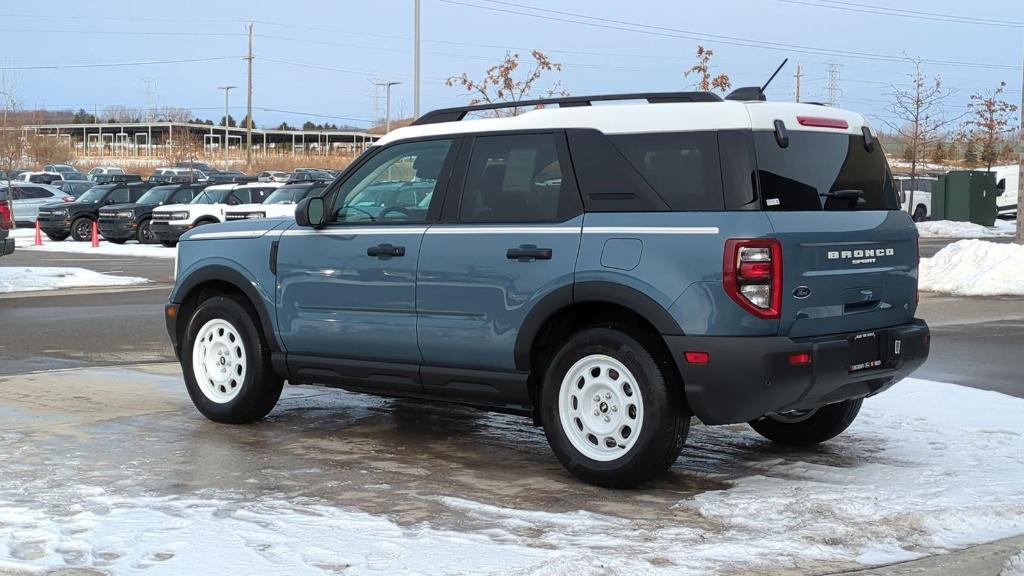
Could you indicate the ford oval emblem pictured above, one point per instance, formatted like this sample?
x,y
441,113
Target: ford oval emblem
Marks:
x,y
801,292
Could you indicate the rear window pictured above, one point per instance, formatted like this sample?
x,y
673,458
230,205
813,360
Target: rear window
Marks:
x,y
682,167
821,171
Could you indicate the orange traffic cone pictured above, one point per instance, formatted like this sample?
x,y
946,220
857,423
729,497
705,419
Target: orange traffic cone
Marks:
x,y
95,234
39,235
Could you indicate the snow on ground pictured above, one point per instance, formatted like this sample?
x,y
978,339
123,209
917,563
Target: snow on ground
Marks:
x,y
27,236
1014,566
927,468
951,229
30,278
975,268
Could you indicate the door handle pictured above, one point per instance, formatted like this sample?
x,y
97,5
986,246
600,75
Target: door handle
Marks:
x,y
527,253
385,251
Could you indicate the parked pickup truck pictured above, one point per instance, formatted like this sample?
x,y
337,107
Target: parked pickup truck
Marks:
x,y
609,271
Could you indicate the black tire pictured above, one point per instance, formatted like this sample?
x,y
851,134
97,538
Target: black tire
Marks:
x,y
81,229
824,424
920,214
665,419
169,243
116,240
260,387
57,237
144,234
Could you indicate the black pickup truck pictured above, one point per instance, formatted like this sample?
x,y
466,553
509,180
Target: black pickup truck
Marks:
x,y
122,222
58,221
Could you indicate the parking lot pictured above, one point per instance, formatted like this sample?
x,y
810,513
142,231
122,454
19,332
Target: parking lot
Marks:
x,y
123,471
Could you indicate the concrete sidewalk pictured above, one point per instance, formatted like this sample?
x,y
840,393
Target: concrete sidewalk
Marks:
x,y
981,560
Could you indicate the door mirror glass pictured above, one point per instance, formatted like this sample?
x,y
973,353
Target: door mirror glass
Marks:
x,y
310,212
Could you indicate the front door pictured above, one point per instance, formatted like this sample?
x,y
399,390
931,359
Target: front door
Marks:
x,y
510,240
347,292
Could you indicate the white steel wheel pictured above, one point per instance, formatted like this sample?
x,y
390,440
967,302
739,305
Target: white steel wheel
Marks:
x,y
219,361
600,408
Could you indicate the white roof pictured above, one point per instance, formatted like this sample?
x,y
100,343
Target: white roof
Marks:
x,y
639,118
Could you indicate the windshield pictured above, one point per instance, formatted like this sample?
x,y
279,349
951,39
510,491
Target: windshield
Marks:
x,y
289,195
64,169
822,171
157,195
93,195
211,197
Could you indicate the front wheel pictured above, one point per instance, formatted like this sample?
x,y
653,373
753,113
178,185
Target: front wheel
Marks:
x,y
168,243
57,237
613,414
117,240
226,363
145,232
808,427
81,230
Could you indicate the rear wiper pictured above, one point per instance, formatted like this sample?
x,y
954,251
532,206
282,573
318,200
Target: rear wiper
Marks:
x,y
843,194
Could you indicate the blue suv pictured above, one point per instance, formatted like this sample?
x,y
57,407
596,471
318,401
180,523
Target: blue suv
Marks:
x,y
610,271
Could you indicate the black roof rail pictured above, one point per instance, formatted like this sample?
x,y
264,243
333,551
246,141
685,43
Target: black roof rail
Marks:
x,y
458,113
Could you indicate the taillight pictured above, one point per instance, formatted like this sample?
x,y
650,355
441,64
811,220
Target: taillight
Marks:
x,y
5,215
752,275
69,199
917,289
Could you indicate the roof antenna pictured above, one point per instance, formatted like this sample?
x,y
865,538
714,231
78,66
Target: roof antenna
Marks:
x,y
754,93
777,70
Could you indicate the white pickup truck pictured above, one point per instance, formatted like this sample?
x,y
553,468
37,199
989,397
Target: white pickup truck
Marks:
x,y
208,207
280,204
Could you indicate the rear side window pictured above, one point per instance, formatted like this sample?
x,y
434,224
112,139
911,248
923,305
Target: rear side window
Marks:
x,y
822,171
682,167
518,178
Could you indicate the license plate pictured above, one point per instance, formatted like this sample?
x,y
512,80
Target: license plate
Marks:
x,y
864,351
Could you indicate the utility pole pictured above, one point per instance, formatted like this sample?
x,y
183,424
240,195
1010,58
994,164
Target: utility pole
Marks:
x,y
798,82
1020,171
833,85
416,66
248,114
387,106
227,90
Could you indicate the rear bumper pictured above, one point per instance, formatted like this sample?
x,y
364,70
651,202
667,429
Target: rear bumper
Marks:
x,y
118,229
748,377
164,232
6,246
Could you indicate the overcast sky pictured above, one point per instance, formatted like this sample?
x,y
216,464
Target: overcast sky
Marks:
x,y
318,57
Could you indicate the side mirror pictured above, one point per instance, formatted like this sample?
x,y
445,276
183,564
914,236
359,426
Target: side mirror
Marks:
x,y
311,212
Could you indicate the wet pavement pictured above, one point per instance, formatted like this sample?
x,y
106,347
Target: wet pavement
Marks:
x,y
84,452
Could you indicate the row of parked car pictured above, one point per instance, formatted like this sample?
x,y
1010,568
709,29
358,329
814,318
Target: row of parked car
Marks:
x,y
150,212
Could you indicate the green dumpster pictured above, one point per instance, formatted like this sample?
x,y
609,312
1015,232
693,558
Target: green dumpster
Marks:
x,y
966,196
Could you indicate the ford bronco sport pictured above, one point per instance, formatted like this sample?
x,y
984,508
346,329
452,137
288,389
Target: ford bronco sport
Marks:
x,y
609,270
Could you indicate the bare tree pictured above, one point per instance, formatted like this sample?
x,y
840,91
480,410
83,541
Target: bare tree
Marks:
x,y
990,120
501,85
920,117
11,144
707,81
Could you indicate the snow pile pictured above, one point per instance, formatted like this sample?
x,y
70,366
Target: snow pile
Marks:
x,y
975,268
25,279
105,248
1014,566
951,229
927,468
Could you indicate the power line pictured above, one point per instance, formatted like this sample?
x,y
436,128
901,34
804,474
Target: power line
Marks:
x,y
116,64
120,32
900,13
612,24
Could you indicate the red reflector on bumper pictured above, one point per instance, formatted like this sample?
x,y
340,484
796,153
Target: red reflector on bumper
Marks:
x,y
697,357
800,359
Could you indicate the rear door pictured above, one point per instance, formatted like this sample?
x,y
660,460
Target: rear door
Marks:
x,y
507,240
849,253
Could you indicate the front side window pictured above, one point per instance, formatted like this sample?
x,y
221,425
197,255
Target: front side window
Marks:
x,y
395,185
517,178
119,196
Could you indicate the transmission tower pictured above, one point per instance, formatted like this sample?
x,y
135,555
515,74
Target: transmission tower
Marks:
x,y
150,98
834,91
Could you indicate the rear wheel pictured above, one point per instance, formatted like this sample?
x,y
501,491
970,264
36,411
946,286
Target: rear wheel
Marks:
x,y
81,230
168,243
57,237
807,427
226,363
145,232
117,240
920,213
613,414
